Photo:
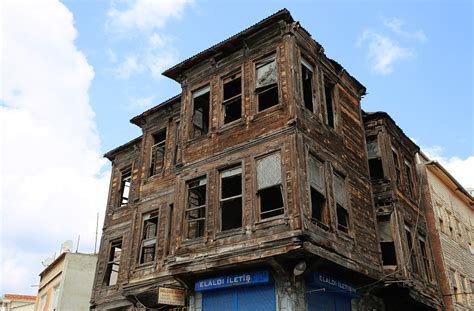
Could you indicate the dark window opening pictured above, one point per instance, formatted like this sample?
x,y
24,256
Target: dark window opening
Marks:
x,y
318,209
170,228
411,251
396,162
125,183
271,202
231,198
329,101
342,218
376,169
307,81
201,102
232,101
266,86
113,264
148,243
177,139
270,197
158,152
196,208
409,178
340,195
425,259
387,245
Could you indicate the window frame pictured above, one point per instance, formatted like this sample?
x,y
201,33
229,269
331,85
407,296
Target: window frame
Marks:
x,y
237,74
221,200
113,261
425,258
332,86
125,175
322,190
258,63
148,242
412,249
258,190
204,88
187,209
346,206
153,168
311,68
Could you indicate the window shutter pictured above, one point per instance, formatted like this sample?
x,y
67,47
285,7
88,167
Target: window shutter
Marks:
x,y
340,190
269,171
266,72
316,172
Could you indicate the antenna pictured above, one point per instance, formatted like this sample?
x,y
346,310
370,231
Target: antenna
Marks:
x,y
96,233
78,239
66,246
48,261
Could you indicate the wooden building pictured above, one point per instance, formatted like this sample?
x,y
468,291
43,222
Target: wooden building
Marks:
x,y
248,191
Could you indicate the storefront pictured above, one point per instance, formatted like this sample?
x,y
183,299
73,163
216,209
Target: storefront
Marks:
x,y
327,293
238,292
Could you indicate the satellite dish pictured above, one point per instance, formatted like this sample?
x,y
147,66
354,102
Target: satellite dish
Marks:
x,y
66,247
48,261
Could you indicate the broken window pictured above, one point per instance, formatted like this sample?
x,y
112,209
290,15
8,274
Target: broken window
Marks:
x,y
307,82
125,182
201,102
149,235
196,208
387,245
409,178
266,86
177,139
411,250
232,98
396,162
425,261
169,230
113,264
158,152
319,211
231,198
329,101
269,190
342,211
375,159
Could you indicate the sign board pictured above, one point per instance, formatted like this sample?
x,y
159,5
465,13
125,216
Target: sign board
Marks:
x,y
250,278
331,283
171,296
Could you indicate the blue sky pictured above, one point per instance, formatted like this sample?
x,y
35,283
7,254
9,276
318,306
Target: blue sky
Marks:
x,y
75,72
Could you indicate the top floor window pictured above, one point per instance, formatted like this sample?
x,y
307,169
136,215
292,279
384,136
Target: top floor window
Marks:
x,y
396,162
125,182
232,98
375,159
329,102
307,82
201,104
158,152
266,86
409,178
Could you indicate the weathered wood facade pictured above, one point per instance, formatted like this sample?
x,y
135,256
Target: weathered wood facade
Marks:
x,y
260,164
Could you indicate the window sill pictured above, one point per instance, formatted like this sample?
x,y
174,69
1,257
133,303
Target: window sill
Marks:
x,y
229,233
144,266
228,126
189,242
198,139
261,114
271,221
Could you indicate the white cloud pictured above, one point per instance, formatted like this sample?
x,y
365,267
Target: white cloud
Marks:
x,y
50,160
383,52
128,67
396,25
461,169
142,102
144,15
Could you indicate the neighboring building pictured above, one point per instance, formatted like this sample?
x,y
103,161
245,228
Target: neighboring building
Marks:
x,y
406,249
450,217
251,190
12,302
66,284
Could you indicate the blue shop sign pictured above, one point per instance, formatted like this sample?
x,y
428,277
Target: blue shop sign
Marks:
x,y
250,278
331,283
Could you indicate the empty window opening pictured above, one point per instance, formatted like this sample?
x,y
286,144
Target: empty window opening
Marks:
x,y
266,86
329,101
148,243
409,178
342,212
196,208
231,198
125,183
425,261
201,101
387,245
113,264
232,100
411,250
307,82
169,229
269,192
319,211
396,162
375,159
158,152
177,139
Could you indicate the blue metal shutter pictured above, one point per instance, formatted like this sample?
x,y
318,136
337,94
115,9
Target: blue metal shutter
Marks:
x,y
326,301
251,298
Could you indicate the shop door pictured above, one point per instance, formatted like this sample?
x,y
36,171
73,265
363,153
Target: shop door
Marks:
x,y
255,298
325,301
